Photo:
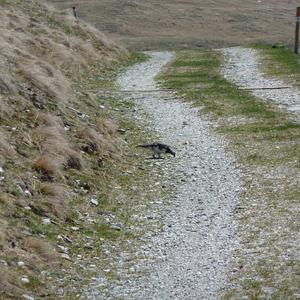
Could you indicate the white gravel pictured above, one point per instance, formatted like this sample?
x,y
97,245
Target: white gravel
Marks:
x,y
190,257
242,68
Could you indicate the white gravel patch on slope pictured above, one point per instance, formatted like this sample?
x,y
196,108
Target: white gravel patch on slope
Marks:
x,y
190,258
242,68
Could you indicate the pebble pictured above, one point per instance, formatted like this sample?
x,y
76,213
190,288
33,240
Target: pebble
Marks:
x,y
20,264
94,201
25,280
27,297
117,227
27,193
65,256
74,228
46,221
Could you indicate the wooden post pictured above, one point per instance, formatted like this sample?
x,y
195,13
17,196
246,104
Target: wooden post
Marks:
x,y
296,49
74,12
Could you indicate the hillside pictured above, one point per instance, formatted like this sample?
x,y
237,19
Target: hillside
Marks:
x,y
153,24
55,142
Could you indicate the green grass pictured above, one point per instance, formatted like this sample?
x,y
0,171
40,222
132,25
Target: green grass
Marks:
x,y
266,141
282,62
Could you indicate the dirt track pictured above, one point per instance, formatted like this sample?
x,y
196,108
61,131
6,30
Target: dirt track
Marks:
x,y
190,257
243,69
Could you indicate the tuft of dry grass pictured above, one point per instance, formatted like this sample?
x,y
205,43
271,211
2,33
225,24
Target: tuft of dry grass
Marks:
x,y
41,248
8,285
52,142
47,167
45,119
104,142
106,127
6,148
50,189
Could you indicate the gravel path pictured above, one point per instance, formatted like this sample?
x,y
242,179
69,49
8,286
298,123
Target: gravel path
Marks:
x,y
189,258
243,69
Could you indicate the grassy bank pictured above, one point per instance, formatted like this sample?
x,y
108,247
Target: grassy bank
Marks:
x,y
266,144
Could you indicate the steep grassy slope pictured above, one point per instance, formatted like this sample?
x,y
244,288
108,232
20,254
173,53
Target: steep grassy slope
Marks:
x,y
155,24
59,152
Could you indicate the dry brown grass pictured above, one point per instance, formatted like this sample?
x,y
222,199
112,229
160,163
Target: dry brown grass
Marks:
x,y
42,54
8,286
95,142
54,146
46,119
106,127
47,167
5,147
154,24
40,248
50,189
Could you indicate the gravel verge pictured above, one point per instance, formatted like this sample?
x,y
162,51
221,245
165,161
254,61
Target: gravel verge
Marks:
x,y
189,257
243,69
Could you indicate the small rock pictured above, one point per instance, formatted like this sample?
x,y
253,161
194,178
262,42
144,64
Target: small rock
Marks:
x,y
66,256
94,201
27,297
121,130
1,170
27,207
116,227
20,264
46,221
27,193
3,262
74,228
63,249
25,280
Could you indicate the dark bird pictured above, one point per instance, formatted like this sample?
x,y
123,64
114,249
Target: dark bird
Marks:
x,y
158,149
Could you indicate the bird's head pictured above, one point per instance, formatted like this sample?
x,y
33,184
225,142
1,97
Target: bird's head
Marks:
x,y
170,151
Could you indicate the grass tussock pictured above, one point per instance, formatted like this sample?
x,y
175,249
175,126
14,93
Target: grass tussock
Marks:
x,y
41,248
266,142
95,142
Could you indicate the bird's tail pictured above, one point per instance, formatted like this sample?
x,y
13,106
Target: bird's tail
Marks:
x,y
145,146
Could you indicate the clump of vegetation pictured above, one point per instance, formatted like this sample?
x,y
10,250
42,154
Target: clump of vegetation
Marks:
x,y
266,142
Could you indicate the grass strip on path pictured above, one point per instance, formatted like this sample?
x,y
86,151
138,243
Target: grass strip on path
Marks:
x,y
265,141
280,62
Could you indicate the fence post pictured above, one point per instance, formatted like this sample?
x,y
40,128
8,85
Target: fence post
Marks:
x,y
296,48
74,12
